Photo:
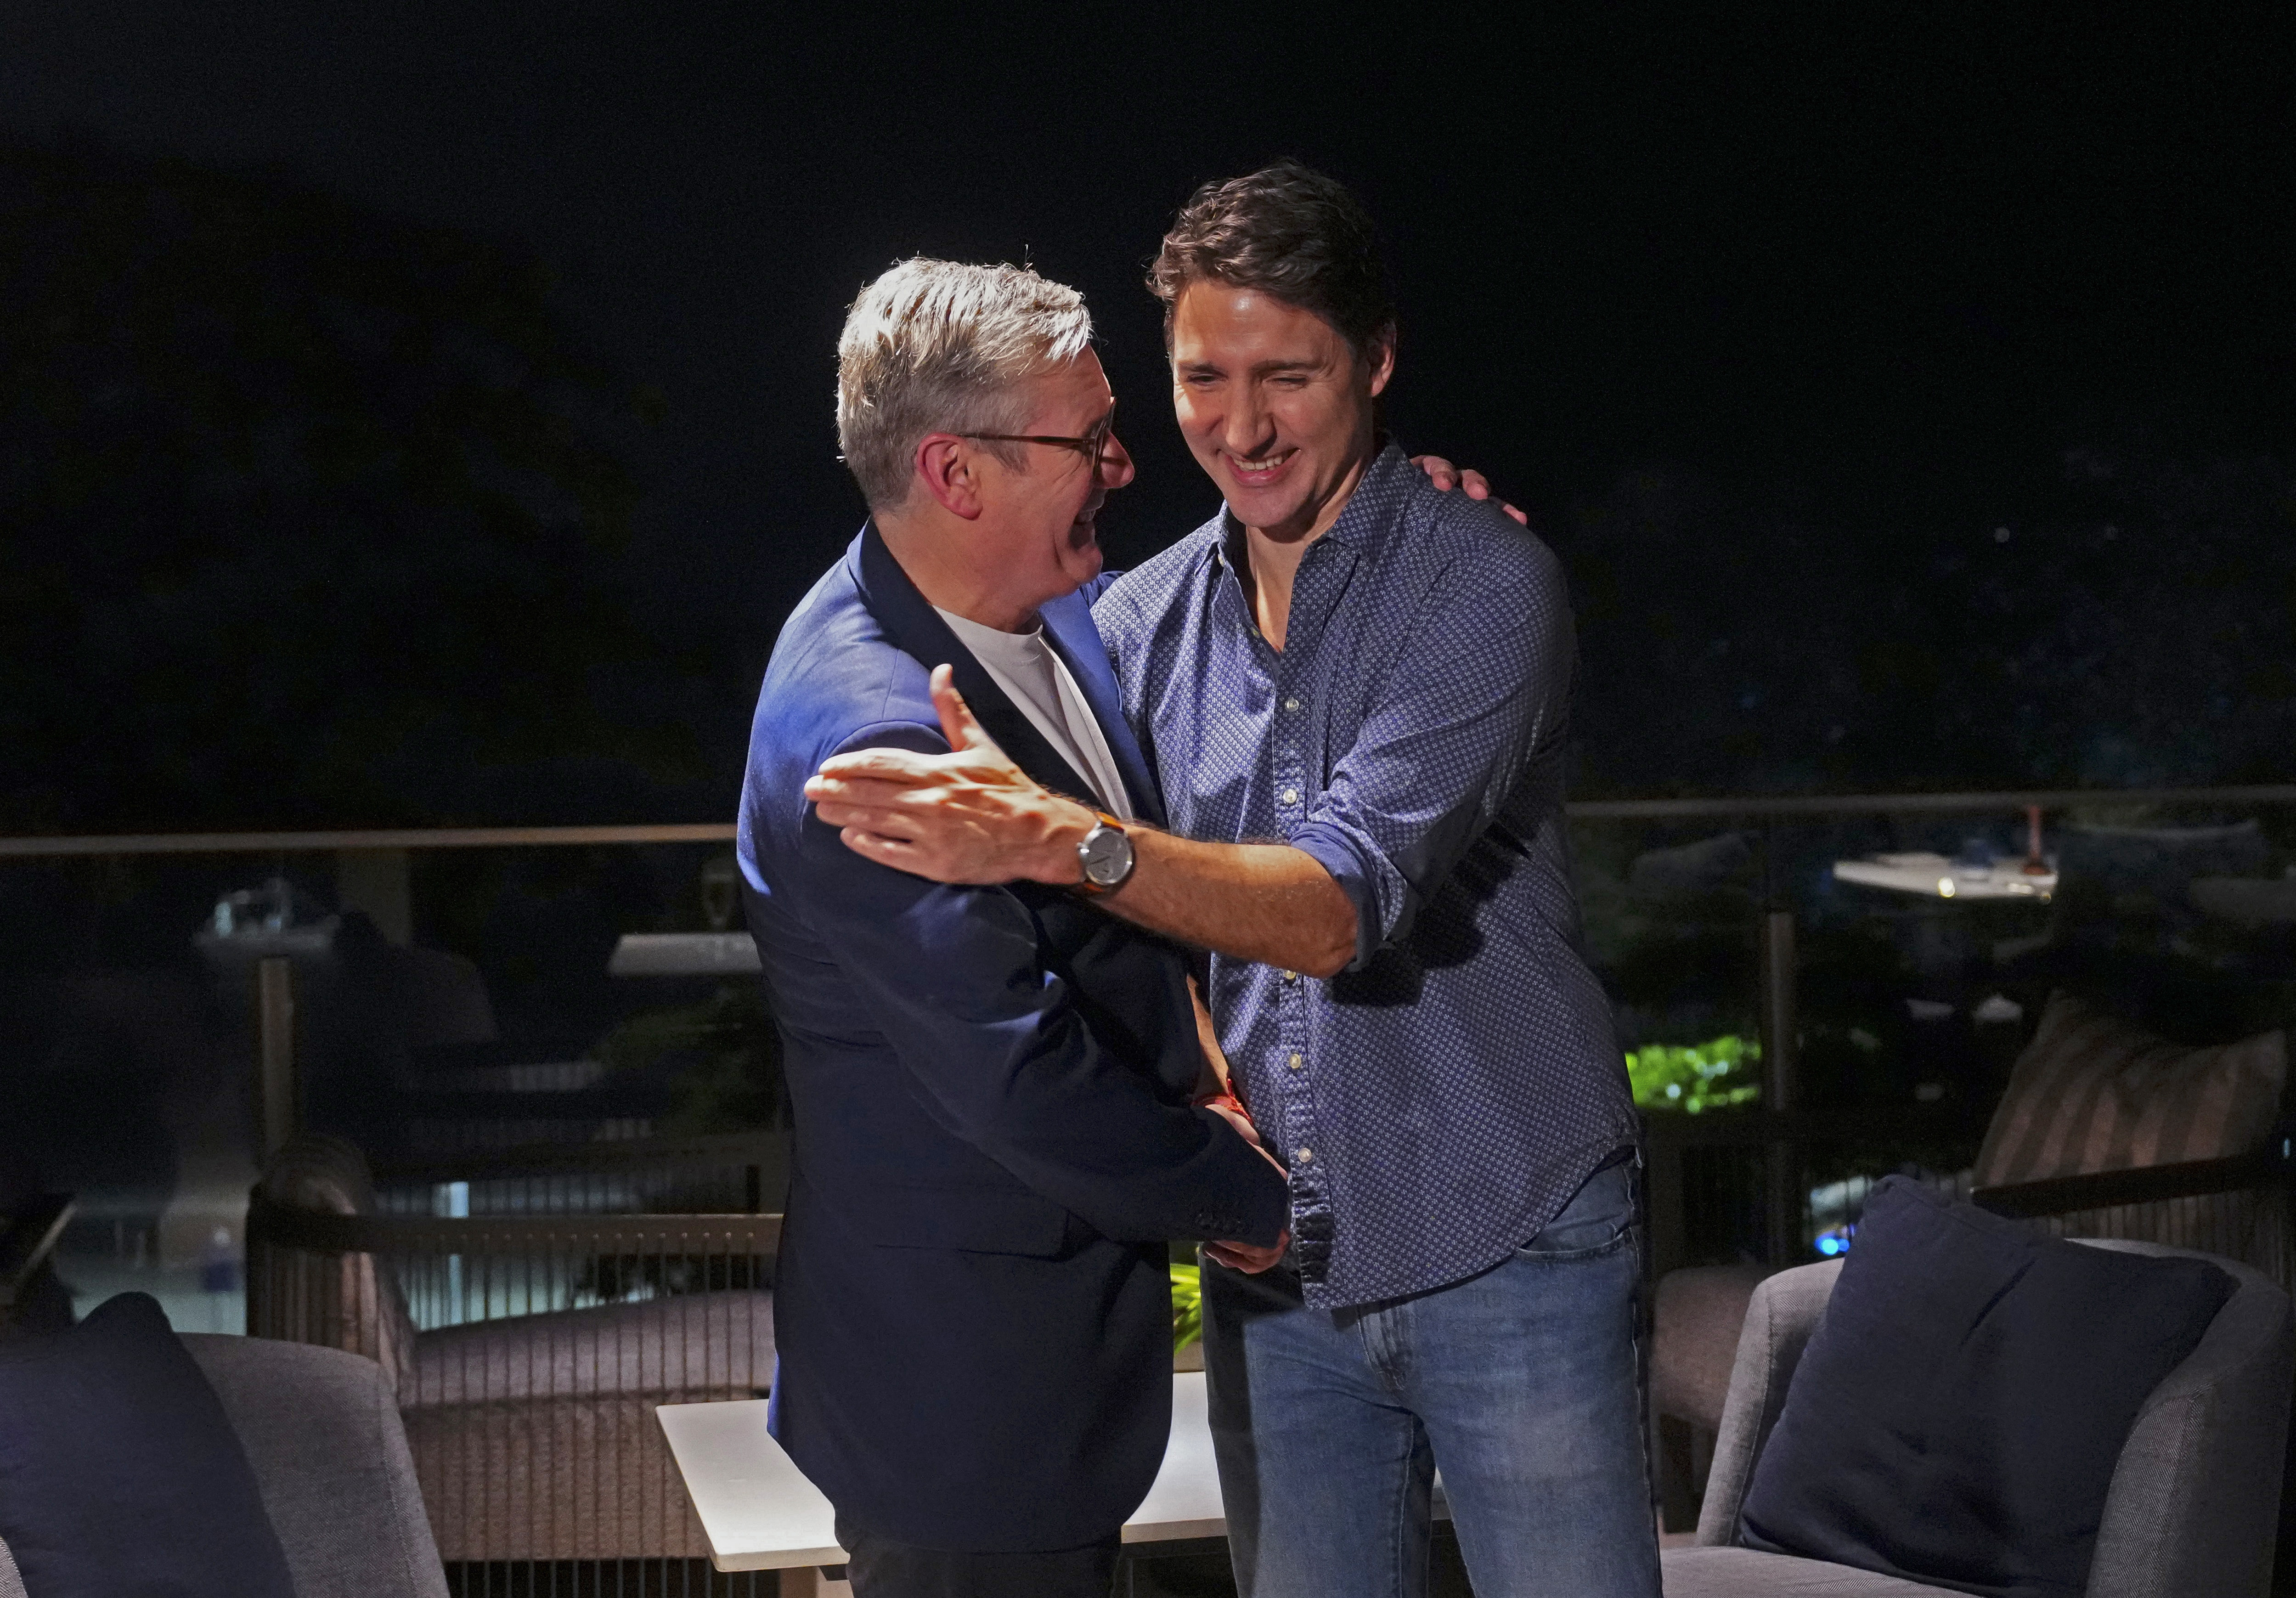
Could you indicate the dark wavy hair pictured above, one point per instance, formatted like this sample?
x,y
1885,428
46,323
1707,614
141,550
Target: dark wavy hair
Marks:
x,y
1289,230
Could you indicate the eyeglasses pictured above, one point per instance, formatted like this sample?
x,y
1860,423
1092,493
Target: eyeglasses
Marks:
x,y
1092,447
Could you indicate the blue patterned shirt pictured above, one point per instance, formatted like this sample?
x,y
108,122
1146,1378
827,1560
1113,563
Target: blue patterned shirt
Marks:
x,y
1439,1100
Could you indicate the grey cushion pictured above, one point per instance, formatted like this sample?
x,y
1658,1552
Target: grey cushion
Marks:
x,y
2200,1474
534,1437
555,1479
1742,1573
112,1425
322,1431
675,1349
2095,1093
12,1584
2193,1501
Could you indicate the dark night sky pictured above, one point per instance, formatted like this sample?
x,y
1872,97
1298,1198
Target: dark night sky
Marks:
x,y
1885,261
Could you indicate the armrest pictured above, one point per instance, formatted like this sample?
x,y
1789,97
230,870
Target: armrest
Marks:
x,y
321,1428
28,1240
2144,1184
1780,1319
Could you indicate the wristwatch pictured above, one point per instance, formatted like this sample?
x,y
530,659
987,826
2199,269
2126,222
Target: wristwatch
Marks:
x,y
1105,854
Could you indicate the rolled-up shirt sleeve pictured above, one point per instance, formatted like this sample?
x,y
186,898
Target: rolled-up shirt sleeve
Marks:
x,y
1480,690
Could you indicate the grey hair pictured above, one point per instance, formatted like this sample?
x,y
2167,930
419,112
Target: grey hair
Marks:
x,y
938,347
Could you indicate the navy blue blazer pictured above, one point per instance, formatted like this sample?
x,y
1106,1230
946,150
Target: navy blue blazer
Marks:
x,y
992,1140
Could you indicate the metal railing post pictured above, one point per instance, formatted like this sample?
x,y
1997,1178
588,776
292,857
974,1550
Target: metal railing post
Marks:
x,y
278,1089
1781,1030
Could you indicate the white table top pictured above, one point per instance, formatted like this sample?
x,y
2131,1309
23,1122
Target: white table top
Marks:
x,y
1934,876
762,1514
758,1510
683,954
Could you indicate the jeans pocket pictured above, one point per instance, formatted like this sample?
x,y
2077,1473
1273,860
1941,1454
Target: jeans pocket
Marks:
x,y
1599,1218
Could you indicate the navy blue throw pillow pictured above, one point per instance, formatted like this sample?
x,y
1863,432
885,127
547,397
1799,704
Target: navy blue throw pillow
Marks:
x,y
121,1476
1958,1412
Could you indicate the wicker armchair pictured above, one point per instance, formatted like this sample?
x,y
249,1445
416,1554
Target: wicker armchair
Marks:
x,y
526,1351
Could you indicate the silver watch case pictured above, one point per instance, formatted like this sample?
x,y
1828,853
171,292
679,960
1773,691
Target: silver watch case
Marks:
x,y
1105,854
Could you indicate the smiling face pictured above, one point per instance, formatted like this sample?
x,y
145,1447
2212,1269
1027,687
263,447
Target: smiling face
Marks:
x,y
1274,403
1036,535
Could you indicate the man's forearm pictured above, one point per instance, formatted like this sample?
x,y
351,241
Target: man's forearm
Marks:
x,y
1267,902
972,816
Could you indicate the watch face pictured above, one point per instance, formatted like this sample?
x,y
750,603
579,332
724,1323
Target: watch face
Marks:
x,y
1107,856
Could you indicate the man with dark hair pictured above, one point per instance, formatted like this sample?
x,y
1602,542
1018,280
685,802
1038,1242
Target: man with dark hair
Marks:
x,y
1355,691
1287,231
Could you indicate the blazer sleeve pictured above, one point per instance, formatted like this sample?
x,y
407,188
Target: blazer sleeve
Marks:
x,y
956,980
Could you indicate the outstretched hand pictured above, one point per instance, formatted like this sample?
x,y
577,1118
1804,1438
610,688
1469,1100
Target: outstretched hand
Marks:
x,y
967,817
1447,477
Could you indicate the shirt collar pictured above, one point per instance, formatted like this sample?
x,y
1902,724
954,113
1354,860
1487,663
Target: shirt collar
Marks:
x,y
1362,520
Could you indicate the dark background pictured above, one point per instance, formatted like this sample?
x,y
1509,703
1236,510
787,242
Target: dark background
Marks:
x,y
422,412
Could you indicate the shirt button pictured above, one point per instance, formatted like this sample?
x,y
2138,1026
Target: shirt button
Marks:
x,y
1291,976
1297,1062
1291,796
1290,704
1306,1155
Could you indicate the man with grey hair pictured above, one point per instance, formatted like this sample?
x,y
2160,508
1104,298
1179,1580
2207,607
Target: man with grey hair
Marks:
x,y
991,1087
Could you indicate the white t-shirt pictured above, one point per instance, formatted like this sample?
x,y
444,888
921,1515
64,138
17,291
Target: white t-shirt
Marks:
x,y
1038,682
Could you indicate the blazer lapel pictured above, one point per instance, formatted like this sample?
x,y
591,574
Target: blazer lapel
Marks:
x,y
916,628
1069,628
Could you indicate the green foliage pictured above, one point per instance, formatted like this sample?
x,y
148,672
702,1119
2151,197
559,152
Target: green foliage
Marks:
x,y
1187,1305
1696,1078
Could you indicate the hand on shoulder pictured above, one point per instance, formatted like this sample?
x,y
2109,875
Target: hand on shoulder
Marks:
x,y
1448,478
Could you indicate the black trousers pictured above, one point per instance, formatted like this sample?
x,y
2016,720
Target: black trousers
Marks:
x,y
879,1568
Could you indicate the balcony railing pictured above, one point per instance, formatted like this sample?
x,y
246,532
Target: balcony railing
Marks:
x,y
544,1041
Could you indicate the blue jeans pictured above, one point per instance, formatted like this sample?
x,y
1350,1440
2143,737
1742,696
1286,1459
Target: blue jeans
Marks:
x,y
1520,1384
